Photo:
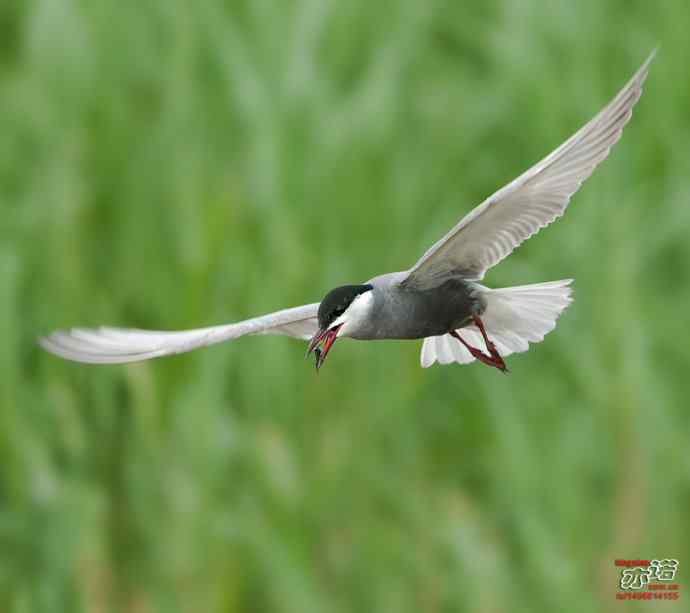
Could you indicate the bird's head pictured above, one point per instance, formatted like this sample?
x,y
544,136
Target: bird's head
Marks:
x,y
340,312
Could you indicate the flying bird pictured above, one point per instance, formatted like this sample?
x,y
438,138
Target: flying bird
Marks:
x,y
440,298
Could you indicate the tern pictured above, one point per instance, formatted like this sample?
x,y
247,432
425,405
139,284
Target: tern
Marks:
x,y
439,299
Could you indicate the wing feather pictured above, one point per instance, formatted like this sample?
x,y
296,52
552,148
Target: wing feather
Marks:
x,y
536,198
117,345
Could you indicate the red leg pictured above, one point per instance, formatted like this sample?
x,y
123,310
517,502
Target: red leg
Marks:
x,y
489,345
490,360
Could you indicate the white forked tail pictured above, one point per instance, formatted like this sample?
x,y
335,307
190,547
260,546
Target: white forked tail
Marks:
x,y
514,317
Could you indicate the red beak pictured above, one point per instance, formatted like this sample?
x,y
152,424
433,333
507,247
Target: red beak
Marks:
x,y
327,337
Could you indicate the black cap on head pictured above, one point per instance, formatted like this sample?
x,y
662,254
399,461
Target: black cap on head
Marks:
x,y
336,301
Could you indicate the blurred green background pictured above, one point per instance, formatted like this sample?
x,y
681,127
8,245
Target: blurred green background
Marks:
x,y
166,164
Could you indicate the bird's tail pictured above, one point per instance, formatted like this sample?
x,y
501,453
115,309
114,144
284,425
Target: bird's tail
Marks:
x,y
514,317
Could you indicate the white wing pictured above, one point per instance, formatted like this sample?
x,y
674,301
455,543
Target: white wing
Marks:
x,y
117,345
536,198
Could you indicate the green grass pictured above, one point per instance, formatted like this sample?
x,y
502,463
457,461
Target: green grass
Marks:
x,y
169,165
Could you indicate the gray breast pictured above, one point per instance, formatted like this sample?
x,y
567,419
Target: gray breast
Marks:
x,y
408,313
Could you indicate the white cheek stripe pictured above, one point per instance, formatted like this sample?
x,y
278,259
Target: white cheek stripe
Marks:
x,y
355,314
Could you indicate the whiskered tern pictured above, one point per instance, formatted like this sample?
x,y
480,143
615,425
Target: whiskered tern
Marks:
x,y
440,298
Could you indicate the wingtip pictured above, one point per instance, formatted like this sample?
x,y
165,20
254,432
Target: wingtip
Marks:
x,y
51,343
45,342
641,74
650,58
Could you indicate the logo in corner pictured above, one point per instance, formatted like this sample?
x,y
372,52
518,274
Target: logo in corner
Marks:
x,y
648,579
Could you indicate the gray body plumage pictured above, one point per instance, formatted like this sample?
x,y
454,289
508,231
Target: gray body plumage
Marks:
x,y
398,312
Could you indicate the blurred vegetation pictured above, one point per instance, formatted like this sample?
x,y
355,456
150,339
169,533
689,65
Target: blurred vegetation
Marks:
x,y
166,164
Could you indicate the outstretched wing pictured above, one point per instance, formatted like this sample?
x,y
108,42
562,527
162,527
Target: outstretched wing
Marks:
x,y
116,345
503,221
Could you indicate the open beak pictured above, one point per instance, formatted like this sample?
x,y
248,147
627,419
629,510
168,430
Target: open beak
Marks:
x,y
325,338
